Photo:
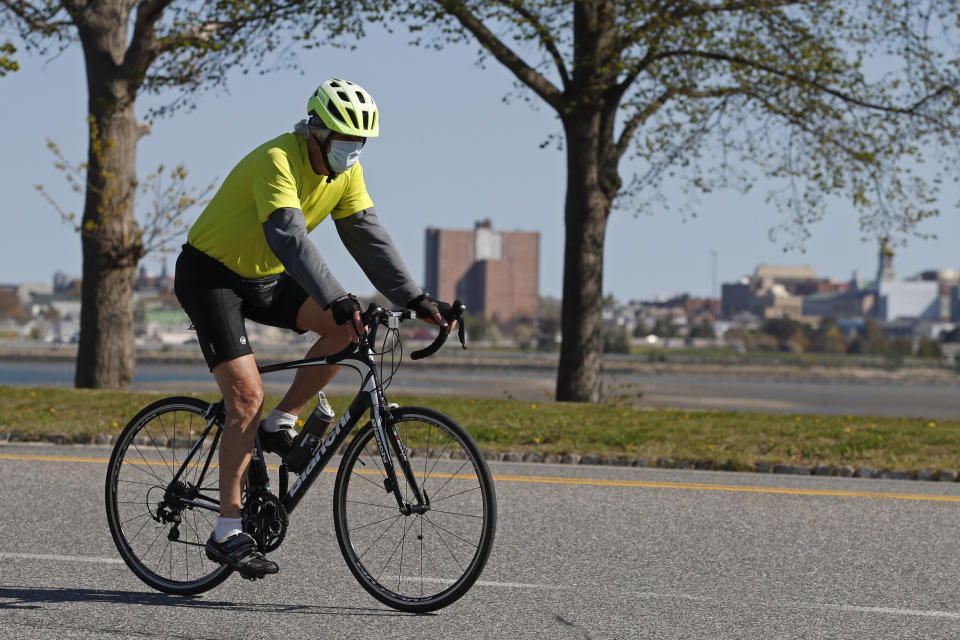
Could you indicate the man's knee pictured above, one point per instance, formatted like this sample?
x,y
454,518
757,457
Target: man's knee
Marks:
x,y
248,403
338,339
334,337
242,389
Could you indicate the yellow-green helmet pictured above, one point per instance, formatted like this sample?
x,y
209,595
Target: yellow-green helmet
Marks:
x,y
346,108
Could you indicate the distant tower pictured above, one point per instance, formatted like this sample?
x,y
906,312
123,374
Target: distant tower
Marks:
x,y
885,268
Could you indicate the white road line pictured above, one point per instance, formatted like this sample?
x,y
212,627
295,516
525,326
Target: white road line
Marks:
x,y
885,610
56,558
850,608
64,558
522,585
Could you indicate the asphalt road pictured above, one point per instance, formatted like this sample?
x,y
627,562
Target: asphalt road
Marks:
x,y
581,552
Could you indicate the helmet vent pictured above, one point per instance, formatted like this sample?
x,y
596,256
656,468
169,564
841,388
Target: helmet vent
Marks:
x,y
374,122
366,120
360,97
343,96
334,83
335,112
353,117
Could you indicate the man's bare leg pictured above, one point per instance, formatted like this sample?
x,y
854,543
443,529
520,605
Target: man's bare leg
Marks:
x,y
242,391
333,339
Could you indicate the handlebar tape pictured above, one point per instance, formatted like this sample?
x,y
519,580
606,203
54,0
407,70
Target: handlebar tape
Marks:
x,y
456,313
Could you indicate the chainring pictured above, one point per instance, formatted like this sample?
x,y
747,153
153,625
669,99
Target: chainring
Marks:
x,y
265,519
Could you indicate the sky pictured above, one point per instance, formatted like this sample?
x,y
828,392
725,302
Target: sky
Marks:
x,y
451,152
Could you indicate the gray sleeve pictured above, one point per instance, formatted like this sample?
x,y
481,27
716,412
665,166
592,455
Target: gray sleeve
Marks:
x,y
370,245
286,233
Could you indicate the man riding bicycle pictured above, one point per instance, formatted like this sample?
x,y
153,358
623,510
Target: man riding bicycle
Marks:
x,y
248,256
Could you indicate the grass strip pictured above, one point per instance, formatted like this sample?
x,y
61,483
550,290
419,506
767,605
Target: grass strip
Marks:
x,y
715,439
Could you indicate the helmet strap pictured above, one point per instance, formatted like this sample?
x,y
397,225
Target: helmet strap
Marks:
x,y
321,135
331,174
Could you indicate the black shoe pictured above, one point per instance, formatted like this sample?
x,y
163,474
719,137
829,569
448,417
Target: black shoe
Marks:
x,y
240,552
279,441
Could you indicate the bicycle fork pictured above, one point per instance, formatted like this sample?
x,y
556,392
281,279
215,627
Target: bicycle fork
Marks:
x,y
388,438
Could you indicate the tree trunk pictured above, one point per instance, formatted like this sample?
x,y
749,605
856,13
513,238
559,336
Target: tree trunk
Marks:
x,y
580,374
111,239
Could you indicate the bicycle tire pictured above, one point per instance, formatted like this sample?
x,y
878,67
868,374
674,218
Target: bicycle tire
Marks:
x,y
141,469
468,539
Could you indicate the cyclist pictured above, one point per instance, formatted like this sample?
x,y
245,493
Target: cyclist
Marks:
x,y
248,256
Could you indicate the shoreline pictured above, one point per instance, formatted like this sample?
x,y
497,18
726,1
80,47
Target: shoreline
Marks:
x,y
547,363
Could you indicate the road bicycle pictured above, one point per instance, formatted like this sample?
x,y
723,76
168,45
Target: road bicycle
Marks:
x,y
414,505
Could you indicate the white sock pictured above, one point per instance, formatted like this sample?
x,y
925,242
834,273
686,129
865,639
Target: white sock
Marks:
x,y
227,527
279,420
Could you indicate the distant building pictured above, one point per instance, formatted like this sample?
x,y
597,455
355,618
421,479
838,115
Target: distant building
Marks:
x,y
26,291
849,301
908,299
64,310
147,282
62,282
795,280
736,297
774,292
495,273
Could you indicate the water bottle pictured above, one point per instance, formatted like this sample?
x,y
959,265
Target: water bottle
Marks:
x,y
310,436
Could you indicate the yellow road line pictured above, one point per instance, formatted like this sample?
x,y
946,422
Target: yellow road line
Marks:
x,y
734,488
19,456
599,482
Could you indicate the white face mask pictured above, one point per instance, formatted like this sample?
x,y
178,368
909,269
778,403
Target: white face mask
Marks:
x,y
343,155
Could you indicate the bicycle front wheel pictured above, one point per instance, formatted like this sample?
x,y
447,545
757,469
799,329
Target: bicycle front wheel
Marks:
x,y
418,560
162,491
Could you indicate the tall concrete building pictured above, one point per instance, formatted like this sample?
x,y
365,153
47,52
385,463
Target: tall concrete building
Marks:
x,y
495,273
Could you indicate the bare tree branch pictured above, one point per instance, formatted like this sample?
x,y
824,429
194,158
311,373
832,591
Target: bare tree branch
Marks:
x,y
912,110
694,9
143,48
524,72
652,107
36,19
689,9
543,33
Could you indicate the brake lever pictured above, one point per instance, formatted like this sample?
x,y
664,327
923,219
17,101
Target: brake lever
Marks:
x,y
461,334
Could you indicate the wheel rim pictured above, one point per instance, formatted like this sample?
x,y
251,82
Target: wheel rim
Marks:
x,y
161,537
418,558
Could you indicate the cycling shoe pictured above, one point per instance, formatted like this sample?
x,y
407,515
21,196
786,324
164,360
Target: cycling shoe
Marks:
x,y
240,552
279,441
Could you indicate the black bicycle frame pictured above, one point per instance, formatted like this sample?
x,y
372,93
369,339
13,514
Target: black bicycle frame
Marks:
x,y
369,397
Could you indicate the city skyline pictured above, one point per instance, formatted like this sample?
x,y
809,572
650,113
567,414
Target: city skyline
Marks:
x,y
865,276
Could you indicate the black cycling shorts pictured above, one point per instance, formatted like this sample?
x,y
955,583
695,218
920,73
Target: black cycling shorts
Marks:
x,y
217,301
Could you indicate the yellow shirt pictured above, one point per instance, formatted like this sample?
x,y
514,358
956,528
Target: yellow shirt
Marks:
x,y
276,174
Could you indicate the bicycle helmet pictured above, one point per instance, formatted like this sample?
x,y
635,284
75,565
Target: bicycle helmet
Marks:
x,y
346,108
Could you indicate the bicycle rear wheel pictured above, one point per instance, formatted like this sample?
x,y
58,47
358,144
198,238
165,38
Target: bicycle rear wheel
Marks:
x,y
416,562
160,521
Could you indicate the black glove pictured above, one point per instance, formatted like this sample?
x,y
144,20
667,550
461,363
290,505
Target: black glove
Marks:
x,y
427,307
344,307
